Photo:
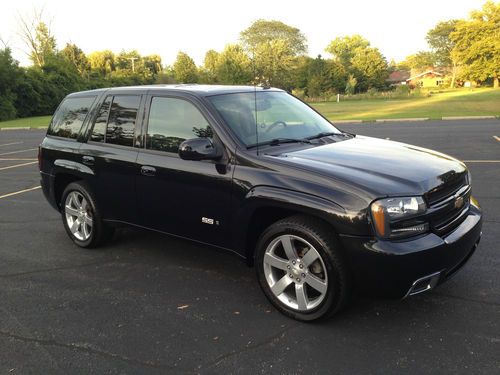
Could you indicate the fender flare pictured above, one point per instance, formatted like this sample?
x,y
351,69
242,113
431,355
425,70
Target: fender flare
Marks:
x,y
268,196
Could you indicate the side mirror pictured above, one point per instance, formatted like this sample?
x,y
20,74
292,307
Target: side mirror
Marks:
x,y
198,149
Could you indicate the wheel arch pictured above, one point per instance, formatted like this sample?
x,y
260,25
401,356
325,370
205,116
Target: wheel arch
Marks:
x,y
265,205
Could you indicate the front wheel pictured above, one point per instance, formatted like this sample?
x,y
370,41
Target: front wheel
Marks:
x,y
81,216
300,268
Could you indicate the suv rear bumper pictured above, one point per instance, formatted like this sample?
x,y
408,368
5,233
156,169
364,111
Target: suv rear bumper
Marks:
x,y
47,183
398,269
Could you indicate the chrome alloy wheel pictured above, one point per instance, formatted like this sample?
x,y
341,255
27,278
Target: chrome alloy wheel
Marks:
x,y
78,216
295,272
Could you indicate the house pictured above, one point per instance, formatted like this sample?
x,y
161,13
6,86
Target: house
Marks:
x,y
429,78
398,77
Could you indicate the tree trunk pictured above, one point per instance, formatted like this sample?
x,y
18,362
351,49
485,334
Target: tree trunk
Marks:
x,y
453,75
496,83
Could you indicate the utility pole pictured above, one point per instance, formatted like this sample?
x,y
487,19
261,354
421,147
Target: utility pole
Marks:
x,y
133,64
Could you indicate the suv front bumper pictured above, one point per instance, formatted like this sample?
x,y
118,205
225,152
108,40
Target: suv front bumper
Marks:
x,y
397,269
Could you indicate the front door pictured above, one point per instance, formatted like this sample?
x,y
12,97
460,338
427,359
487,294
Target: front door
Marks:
x,y
186,198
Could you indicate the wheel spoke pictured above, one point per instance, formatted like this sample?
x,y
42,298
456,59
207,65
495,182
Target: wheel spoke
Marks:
x,y
316,283
85,230
84,204
74,226
310,257
71,211
87,220
302,299
281,285
275,261
290,251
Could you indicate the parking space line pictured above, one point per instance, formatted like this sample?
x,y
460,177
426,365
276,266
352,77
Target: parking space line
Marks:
x,y
17,159
481,161
19,192
17,152
10,144
497,138
18,165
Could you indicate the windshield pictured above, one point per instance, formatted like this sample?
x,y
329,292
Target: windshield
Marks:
x,y
278,115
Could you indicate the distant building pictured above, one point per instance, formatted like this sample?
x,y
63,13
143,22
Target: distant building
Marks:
x,y
398,77
429,78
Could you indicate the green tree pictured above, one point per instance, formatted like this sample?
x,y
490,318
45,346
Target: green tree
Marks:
x,y
370,68
73,54
233,66
38,37
273,46
185,70
442,45
359,59
209,69
264,31
102,62
344,48
420,60
10,75
477,44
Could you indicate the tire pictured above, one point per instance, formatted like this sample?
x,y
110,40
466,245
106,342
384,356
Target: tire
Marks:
x,y
300,268
81,216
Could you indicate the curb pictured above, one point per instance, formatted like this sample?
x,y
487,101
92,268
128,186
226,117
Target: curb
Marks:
x,y
468,118
24,128
403,119
347,121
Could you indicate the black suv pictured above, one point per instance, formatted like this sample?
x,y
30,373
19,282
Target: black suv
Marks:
x,y
320,212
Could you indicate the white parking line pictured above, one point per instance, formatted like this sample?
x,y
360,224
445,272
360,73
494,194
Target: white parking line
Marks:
x,y
10,144
18,165
17,152
17,159
481,161
19,192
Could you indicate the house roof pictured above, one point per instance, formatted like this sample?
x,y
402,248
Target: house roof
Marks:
x,y
423,74
398,76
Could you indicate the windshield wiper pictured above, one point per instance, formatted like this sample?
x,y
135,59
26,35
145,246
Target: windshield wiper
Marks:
x,y
327,134
279,141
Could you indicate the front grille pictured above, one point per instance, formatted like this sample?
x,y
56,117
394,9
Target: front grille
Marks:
x,y
446,190
450,211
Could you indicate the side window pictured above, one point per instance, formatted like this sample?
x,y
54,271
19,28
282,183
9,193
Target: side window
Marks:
x,y
172,121
99,130
115,121
70,116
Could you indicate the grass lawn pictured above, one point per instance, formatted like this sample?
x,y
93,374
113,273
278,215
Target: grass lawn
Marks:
x,y
32,122
460,102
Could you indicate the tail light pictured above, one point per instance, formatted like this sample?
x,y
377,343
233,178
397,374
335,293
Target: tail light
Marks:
x,y
40,157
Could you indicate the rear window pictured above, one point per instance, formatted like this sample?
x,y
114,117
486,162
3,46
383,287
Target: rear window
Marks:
x,y
70,116
115,121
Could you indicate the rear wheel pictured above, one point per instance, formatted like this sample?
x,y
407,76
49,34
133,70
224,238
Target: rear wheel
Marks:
x,y
81,216
300,268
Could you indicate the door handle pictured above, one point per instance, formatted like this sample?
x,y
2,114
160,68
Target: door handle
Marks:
x,y
146,170
88,160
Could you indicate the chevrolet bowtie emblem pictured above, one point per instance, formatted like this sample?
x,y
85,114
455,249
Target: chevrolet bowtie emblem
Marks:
x,y
459,202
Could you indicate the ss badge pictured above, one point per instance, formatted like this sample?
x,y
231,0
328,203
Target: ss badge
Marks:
x,y
207,220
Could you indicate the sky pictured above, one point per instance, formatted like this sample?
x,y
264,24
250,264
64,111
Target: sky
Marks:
x,y
396,27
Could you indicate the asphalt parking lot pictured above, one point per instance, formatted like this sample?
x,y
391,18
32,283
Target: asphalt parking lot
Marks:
x,y
150,304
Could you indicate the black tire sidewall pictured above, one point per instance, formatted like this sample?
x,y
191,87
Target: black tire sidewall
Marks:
x,y
332,300
81,188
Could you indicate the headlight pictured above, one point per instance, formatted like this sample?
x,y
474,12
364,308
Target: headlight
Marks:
x,y
398,217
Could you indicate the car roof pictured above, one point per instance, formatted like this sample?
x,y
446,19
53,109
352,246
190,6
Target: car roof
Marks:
x,y
200,90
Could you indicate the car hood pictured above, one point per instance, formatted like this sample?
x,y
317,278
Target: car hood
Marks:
x,y
379,166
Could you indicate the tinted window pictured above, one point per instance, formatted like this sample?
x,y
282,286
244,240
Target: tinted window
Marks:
x,y
172,121
70,116
99,130
121,121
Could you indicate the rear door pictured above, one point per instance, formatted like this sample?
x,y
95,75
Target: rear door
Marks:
x,y
186,198
111,153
